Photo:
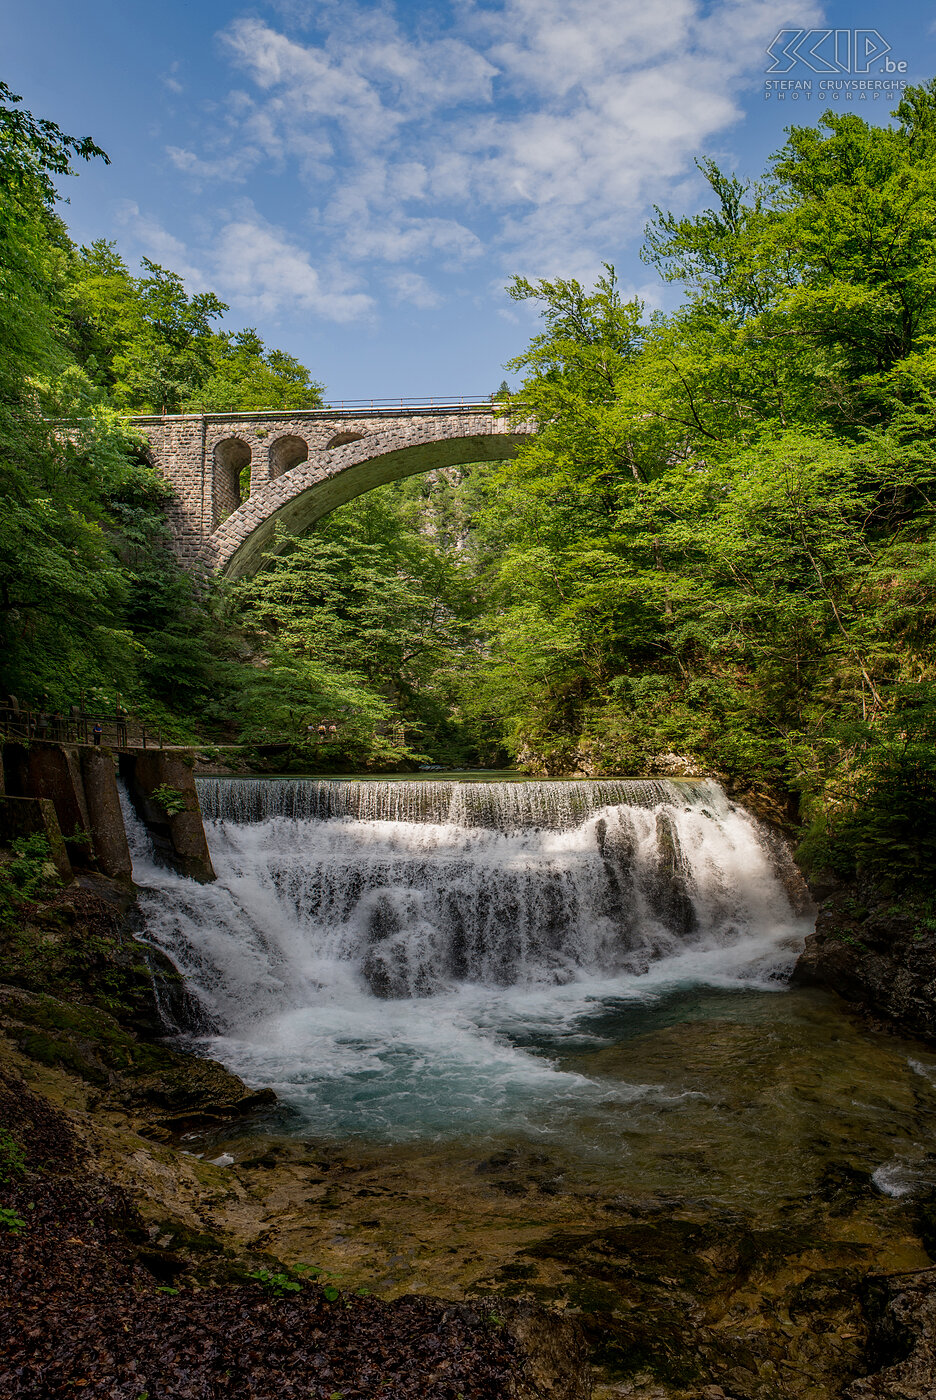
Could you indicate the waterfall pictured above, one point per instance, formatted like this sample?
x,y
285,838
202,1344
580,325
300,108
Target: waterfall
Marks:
x,y
502,806
335,899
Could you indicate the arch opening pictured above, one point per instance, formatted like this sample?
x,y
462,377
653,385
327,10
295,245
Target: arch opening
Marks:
x,y
230,478
340,439
241,553
286,453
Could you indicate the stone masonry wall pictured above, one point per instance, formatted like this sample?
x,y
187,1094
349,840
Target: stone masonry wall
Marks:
x,y
382,448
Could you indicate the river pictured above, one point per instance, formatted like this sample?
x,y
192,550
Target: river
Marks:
x,y
516,1010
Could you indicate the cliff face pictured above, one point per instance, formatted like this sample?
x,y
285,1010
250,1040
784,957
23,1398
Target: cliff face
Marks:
x,y
877,951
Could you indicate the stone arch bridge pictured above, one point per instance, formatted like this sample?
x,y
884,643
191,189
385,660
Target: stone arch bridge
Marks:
x,y
302,465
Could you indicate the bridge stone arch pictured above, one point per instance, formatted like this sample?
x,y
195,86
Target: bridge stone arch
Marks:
x,y
287,452
231,456
302,466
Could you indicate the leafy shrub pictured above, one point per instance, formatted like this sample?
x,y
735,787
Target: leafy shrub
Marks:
x,y
12,1157
279,1283
171,800
9,1220
282,1283
887,830
29,874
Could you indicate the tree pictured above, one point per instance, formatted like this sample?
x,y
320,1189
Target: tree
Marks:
x,y
368,614
720,541
244,375
59,586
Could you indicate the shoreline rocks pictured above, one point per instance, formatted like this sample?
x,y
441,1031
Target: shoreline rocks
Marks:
x,y
902,1311
877,953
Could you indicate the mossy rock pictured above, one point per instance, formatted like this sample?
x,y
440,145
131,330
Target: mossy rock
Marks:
x,y
91,1044
80,946
60,1053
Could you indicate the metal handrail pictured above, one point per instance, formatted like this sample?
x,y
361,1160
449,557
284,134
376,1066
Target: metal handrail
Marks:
x,y
354,408
77,727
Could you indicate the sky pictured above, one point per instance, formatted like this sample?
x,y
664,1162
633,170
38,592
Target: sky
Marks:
x,y
360,181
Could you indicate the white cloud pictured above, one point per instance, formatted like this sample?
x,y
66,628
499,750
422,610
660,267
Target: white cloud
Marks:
x,y
253,266
258,267
536,131
149,239
170,81
410,287
233,166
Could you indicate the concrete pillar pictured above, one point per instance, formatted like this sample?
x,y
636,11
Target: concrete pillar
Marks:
x,y
54,771
179,838
24,816
99,775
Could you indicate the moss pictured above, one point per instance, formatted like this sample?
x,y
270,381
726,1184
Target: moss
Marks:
x,y
12,1157
591,1296
195,1241
60,1053
652,1343
91,1044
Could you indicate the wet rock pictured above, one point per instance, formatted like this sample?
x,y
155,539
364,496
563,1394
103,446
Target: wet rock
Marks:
x,y
841,1187
551,1351
876,953
186,1091
675,765
509,1188
498,1161
902,1312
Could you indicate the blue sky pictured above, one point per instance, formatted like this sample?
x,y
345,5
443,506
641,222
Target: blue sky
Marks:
x,y
360,180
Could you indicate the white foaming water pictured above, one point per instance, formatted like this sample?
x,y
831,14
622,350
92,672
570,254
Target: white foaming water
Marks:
x,y
376,950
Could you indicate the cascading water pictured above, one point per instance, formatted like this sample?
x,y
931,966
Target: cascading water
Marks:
x,y
402,957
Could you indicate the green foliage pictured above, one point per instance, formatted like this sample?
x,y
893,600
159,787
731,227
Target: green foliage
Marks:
x,y
153,349
12,1157
32,149
284,1281
888,830
244,374
92,599
171,800
279,1284
10,1220
720,543
27,873
360,626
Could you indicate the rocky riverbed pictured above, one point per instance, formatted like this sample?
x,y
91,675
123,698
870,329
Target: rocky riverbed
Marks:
x,y
752,1254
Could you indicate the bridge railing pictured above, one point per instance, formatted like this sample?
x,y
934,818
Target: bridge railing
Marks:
x,y
357,408
469,403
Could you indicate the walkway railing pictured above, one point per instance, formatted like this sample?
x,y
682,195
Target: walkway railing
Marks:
x,y
78,726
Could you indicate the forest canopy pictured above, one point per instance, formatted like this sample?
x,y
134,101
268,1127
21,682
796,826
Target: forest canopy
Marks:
x,y
717,552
